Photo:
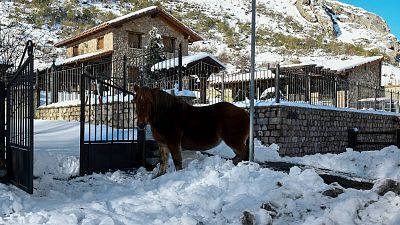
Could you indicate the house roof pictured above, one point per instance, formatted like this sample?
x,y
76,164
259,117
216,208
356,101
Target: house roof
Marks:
x,y
344,65
77,59
241,77
153,11
188,61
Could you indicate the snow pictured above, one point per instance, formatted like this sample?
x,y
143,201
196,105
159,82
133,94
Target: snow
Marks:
x,y
261,103
60,62
209,190
240,77
186,60
341,65
132,14
390,75
184,93
76,101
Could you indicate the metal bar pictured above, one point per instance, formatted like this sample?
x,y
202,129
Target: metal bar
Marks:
x,y
358,96
124,73
375,96
391,101
252,71
398,102
82,154
9,157
180,67
30,119
2,121
223,87
277,91
37,89
47,84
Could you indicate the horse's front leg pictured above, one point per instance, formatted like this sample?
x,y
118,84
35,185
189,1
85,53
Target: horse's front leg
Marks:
x,y
163,160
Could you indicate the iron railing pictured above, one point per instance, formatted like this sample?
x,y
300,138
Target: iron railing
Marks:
x,y
203,83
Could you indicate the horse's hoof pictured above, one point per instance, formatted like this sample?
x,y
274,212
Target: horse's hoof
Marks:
x,y
236,160
159,174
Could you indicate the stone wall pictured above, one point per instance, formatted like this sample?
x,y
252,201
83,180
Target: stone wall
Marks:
x,y
89,44
367,77
109,114
299,131
68,113
142,25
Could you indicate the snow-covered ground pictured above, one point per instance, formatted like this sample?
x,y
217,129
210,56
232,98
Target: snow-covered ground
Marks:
x,y
209,190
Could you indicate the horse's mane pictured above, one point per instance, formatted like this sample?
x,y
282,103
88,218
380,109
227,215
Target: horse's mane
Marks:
x,y
164,104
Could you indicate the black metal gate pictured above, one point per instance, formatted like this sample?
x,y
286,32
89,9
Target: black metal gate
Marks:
x,y
20,115
109,138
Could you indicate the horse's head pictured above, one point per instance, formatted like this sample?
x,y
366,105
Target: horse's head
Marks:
x,y
143,101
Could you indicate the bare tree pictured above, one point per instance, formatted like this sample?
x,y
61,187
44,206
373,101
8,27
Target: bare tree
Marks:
x,y
12,43
243,62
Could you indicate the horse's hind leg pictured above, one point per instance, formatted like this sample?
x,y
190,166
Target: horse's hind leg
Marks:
x,y
176,152
240,149
163,160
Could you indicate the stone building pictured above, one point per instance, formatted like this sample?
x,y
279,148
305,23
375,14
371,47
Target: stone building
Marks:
x,y
127,36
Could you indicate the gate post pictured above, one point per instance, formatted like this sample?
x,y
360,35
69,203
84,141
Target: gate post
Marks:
x,y
141,140
2,129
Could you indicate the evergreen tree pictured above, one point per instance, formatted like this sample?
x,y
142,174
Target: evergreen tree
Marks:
x,y
153,54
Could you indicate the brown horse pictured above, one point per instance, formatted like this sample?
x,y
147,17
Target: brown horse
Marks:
x,y
177,125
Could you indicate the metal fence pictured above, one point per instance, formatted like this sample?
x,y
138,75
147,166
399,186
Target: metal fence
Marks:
x,y
204,83
62,83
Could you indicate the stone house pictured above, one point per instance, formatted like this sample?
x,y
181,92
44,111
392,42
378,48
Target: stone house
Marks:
x,y
127,36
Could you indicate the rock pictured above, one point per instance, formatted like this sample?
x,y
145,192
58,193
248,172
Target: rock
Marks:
x,y
247,218
333,193
383,186
306,2
270,208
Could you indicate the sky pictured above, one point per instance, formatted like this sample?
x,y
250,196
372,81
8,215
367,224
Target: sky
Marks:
x,y
388,9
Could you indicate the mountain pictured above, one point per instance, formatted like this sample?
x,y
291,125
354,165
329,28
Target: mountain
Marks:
x,y
287,30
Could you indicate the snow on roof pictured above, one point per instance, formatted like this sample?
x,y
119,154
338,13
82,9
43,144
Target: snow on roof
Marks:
x,y
342,65
60,62
186,60
132,14
193,36
239,77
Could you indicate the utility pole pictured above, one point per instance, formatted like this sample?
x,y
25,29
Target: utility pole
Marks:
x,y
252,71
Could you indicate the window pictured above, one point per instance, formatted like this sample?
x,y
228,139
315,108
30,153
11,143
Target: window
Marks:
x,y
134,40
133,74
169,44
100,43
75,51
